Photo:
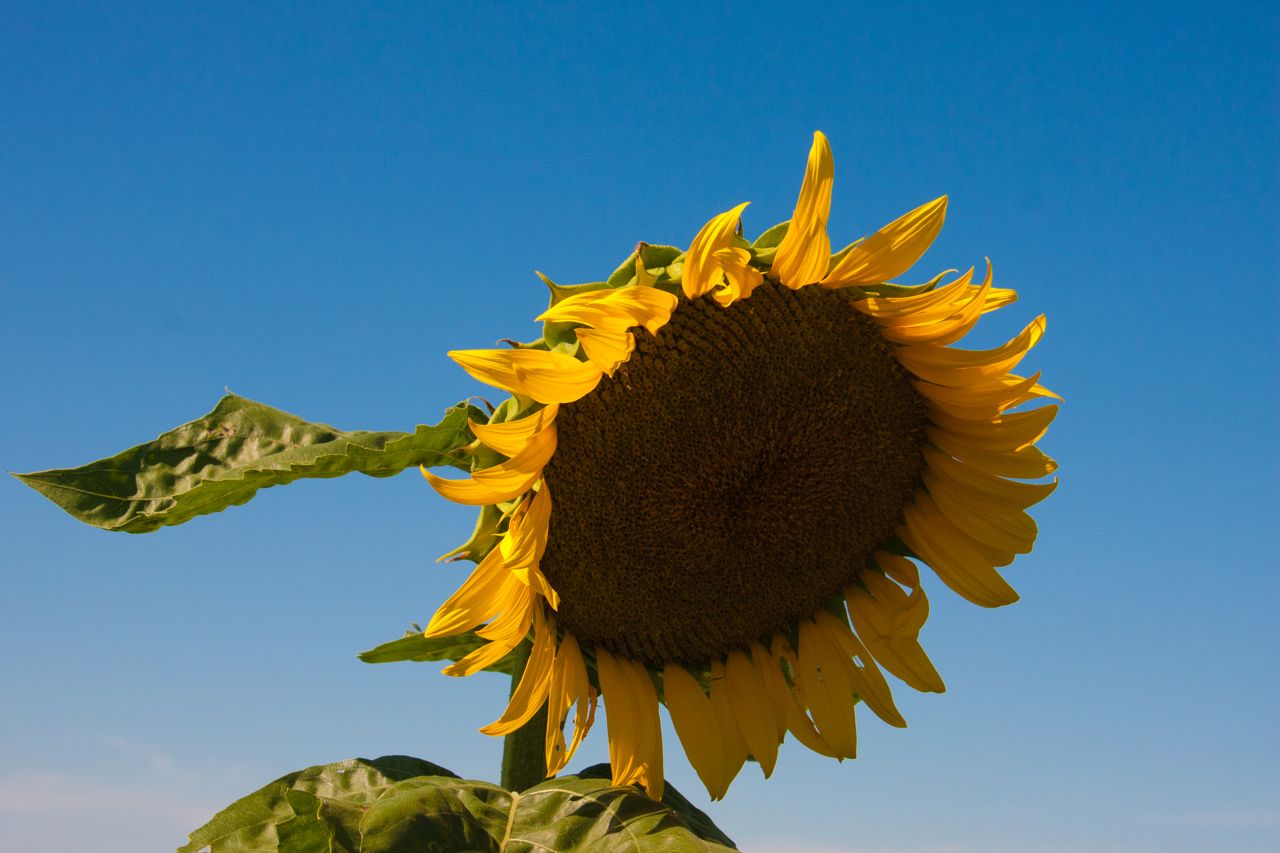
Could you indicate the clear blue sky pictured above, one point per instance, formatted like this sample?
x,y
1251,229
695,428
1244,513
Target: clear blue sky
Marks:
x,y
310,204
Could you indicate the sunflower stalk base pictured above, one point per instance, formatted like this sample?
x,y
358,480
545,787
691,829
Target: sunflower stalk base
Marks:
x,y
524,761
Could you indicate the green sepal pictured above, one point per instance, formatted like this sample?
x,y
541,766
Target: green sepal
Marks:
x,y
483,537
397,804
772,237
861,291
223,458
415,647
656,260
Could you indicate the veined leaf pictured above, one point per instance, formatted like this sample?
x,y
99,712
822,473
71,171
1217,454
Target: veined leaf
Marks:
x,y
223,458
397,804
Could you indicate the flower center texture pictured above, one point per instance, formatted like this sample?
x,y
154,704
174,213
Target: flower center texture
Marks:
x,y
735,474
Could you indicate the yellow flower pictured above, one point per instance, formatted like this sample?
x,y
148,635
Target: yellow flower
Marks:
x,y
718,478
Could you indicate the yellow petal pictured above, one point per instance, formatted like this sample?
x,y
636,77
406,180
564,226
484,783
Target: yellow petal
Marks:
x,y
1004,528
635,740
644,278
888,621
984,400
959,368
568,684
1026,462
733,747
510,437
805,250
863,674
787,702
976,485
740,278
701,270
503,481
959,564
752,710
695,724
592,308
548,377
1003,433
530,694
504,633
892,250
942,330
825,681
645,306
908,309
606,349
558,700
525,542
478,600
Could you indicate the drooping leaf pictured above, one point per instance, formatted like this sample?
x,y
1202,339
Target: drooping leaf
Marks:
x,y
223,458
397,804
415,647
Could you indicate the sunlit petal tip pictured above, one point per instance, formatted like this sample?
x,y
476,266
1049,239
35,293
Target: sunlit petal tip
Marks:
x,y
805,251
701,272
893,249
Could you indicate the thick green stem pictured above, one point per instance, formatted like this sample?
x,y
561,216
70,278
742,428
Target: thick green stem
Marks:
x,y
524,759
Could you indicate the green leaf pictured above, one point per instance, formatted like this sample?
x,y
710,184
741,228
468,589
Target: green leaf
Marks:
x,y
415,647
222,460
397,804
317,809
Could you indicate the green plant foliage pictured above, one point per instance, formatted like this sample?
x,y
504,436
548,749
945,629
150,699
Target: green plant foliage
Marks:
x,y
397,804
223,458
415,647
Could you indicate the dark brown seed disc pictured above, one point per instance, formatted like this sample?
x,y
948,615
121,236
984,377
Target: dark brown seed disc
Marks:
x,y
731,477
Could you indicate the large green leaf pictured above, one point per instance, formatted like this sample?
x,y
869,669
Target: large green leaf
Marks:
x,y
222,460
397,804
415,647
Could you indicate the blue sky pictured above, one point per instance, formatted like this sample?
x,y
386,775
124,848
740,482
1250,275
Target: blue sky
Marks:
x,y
310,204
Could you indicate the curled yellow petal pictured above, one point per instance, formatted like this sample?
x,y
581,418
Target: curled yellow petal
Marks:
x,y
511,437
545,376
530,694
504,633
569,684
957,368
952,555
983,401
805,250
590,309
525,542
740,279
503,481
702,272
645,306
889,620
892,250
861,670
606,349
479,599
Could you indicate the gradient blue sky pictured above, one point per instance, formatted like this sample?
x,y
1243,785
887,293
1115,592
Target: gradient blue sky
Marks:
x,y
310,204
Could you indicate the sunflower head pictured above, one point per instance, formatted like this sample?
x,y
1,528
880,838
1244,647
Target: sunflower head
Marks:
x,y
717,476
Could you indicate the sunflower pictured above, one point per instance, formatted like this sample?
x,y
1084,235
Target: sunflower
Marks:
x,y
716,476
